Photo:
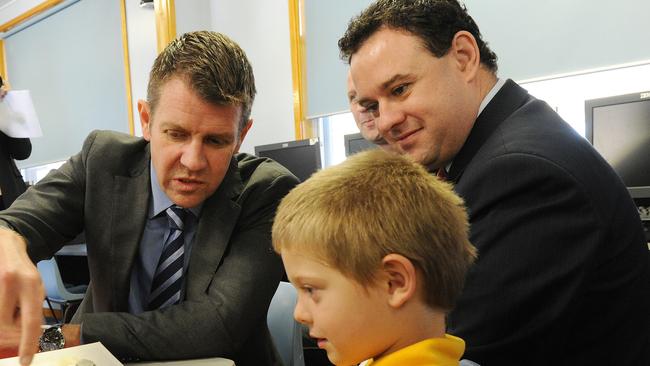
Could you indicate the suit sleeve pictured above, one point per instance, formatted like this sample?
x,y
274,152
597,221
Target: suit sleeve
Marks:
x,y
51,212
535,230
233,308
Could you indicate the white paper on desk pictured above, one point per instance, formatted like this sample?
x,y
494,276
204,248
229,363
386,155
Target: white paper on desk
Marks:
x,y
95,352
18,116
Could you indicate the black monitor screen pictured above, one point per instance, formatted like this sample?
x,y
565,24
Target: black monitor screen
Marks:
x,y
301,157
355,143
620,130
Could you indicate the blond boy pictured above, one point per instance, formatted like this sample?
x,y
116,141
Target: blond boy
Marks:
x,y
378,250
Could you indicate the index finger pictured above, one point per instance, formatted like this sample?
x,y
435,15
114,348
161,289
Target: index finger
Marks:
x,y
31,318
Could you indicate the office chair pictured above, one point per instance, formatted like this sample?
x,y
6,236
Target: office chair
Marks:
x,y
285,331
55,290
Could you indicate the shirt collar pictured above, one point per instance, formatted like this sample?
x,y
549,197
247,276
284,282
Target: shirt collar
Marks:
x,y
160,200
488,97
495,89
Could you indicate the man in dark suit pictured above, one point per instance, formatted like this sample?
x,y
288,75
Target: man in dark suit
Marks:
x,y
12,184
562,275
183,186
11,181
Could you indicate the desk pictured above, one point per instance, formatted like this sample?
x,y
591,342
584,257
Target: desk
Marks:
x,y
216,361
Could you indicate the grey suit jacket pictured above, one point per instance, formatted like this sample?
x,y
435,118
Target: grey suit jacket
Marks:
x,y
232,274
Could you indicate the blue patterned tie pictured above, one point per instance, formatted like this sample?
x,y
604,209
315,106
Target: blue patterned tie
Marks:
x,y
166,286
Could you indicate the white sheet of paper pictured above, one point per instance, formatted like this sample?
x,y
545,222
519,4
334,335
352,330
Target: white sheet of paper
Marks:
x,y
95,352
18,116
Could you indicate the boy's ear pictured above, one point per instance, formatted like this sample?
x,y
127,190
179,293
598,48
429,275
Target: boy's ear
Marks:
x,y
402,279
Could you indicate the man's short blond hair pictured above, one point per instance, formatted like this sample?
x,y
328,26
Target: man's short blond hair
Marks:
x,y
213,65
376,203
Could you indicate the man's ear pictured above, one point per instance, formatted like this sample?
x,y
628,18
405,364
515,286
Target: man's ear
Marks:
x,y
145,115
243,132
466,54
402,279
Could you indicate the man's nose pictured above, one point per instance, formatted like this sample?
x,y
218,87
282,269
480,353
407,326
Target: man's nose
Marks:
x,y
388,119
193,156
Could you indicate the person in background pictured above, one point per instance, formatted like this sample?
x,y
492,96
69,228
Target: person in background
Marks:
x,y
364,119
11,181
177,223
378,250
12,184
563,272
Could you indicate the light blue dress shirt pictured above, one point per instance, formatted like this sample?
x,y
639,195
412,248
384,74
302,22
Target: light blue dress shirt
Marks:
x,y
154,236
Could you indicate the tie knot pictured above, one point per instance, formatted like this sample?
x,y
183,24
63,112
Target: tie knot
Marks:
x,y
176,216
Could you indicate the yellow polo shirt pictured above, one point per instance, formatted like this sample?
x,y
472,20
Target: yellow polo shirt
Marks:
x,y
445,351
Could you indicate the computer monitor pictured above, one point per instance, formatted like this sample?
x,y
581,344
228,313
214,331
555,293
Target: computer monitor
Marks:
x,y
301,157
355,143
619,129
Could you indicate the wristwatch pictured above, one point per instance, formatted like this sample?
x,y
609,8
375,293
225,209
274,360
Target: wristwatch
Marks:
x,y
51,339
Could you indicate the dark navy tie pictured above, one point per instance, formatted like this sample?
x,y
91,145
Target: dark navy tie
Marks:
x,y
167,281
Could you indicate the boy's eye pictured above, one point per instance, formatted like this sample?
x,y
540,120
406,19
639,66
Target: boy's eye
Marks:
x,y
308,290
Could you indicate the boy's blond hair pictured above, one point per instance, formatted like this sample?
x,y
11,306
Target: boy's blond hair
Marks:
x,y
376,203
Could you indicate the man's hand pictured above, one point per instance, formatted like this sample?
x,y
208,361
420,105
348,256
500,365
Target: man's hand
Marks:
x,y
21,297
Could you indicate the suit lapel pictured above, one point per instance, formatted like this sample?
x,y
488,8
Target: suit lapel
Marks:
x,y
218,219
131,197
505,102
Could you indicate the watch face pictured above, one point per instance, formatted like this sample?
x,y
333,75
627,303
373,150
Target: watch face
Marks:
x,y
52,339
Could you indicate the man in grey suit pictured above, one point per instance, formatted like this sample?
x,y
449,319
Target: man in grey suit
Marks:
x,y
562,272
183,186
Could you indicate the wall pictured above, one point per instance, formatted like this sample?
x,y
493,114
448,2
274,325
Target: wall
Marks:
x,y
71,61
539,38
326,22
141,31
193,15
532,39
261,28
15,8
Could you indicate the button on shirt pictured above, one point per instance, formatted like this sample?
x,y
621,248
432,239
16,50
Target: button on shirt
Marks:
x,y
151,245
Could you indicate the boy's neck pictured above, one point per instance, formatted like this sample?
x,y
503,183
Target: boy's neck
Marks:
x,y
416,323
